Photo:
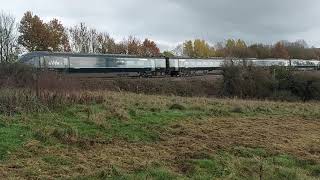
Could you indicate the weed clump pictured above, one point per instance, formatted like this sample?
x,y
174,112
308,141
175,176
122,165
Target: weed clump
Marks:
x,y
315,171
67,135
177,107
41,136
16,101
116,110
237,109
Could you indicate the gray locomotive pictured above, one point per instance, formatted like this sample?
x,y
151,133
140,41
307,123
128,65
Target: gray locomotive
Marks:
x,y
106,63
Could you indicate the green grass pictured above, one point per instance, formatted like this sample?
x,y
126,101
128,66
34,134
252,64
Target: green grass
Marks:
x,y
230,164
56,161
141,126
156,173
135,121
73,121
12,138
144,119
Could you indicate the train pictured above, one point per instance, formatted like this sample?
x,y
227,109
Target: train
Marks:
x,y
146,66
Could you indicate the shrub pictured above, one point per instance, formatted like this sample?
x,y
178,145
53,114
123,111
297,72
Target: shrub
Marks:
x,y
277,83
306,86
16,75
246,82
284,95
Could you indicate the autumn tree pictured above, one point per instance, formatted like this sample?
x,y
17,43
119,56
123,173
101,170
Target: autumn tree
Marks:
x,y
121,48
310,53
241,49
220,50
39,36
260,51
34,33
299,50
198,49
188,49
58,38
149,48
133,45
106,44
230,47
280,51
202,49
8,38
236,48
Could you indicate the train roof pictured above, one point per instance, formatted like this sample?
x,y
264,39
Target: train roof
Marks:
x,y
31,55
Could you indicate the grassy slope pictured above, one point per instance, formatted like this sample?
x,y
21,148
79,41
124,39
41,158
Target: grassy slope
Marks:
x,y
133,136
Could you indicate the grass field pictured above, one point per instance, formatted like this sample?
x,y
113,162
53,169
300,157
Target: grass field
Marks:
x,y
130,136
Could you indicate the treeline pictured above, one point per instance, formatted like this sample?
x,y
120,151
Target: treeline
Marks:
x,y
239,49
36,35
31,33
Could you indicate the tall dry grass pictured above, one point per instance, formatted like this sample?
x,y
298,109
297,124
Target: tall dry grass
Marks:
x,y
13,101
24,89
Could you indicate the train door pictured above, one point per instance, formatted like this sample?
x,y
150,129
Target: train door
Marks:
x,y
167,65
175,64
153,65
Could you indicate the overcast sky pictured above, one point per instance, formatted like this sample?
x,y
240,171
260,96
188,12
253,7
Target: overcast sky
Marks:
x,y
170,22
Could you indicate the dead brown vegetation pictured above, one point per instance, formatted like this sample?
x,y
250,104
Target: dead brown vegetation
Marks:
x,y
182,141
185,86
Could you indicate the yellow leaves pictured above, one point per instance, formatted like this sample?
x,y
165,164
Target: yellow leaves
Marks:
x,y
280,51
198,49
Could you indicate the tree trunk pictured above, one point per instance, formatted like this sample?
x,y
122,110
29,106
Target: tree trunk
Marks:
x,y
1,48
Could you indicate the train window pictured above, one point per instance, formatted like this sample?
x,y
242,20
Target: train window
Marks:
x,y
54,61
87,62
121,62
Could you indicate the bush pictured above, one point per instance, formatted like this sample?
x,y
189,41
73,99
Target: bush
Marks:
x,y
246,82
306,86
16,75
284,96
302,85
277,83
